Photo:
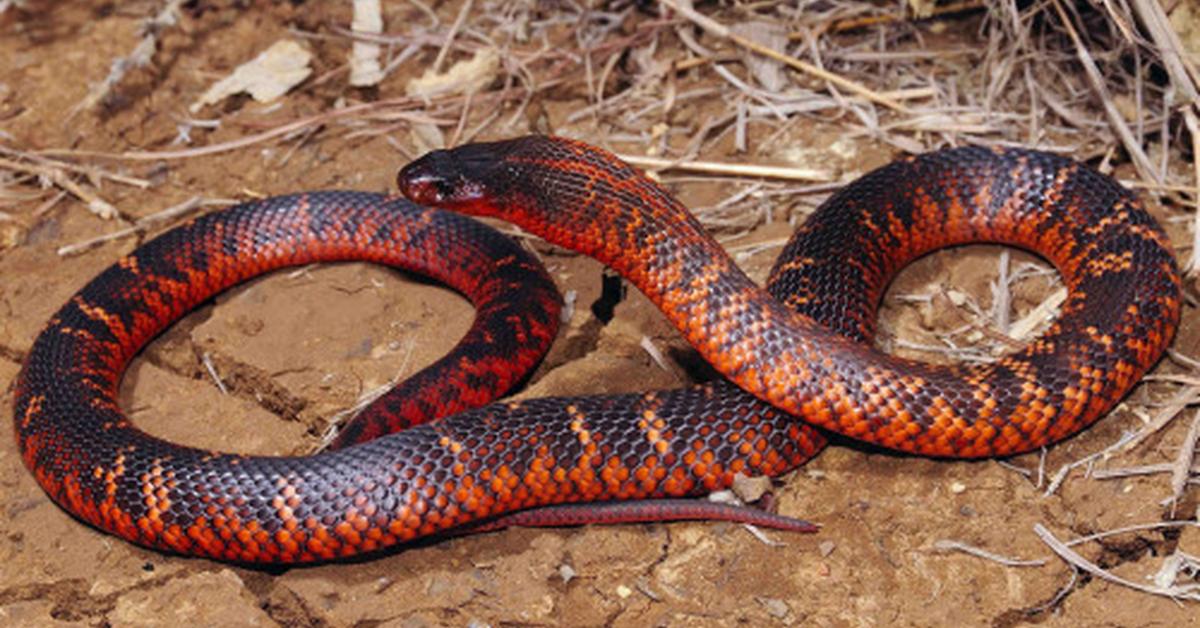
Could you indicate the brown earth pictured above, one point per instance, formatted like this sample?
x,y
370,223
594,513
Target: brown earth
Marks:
x,y
296,348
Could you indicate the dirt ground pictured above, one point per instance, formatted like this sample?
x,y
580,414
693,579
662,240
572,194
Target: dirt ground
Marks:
x,y
296,348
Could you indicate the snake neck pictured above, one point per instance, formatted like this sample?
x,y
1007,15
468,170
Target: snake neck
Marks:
x,y
574,195
586,199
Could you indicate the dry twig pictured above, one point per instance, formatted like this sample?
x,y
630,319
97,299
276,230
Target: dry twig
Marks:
x,y
95,204
1182,470
1174,591
947,545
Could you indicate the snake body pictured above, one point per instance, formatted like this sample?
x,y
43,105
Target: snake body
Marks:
x,y
800,345
1121,310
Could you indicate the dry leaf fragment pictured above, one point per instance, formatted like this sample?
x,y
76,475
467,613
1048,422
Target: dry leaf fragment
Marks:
x,y
266,77
463,77
767,71
922,9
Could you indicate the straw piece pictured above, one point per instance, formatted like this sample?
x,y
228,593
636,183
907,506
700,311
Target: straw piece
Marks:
x,y
736,170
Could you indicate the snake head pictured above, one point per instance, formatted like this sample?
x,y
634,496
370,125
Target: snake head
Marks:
x,y
574,195
447,178
480,179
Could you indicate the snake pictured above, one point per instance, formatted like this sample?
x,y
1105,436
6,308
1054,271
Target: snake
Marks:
x,y
438,455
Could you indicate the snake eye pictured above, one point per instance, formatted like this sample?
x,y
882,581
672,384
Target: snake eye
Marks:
x,y
444,189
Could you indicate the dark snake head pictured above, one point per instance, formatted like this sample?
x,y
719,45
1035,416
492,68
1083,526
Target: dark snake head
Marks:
x,y
451,179
491,178
577,196
531,175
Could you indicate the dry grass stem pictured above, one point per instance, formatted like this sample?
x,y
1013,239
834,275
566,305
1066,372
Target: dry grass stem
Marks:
x,y
789,173
95,204
1189,117
857,23
1029,473
206,359
1140,527
364,63
1045,312
1001,293
654,352
947,545
463,11
1170,409
50,203
1147,469
1171,52
720,30
1060,476
1173,591
368,397
92,172
1128,139
1182,471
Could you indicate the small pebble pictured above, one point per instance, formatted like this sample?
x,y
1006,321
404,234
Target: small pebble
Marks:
x,y
958,487
624,591
566,572
750,489
775,607
826,548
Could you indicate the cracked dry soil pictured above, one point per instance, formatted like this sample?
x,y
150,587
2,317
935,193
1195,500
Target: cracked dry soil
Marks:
x,y
295,348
